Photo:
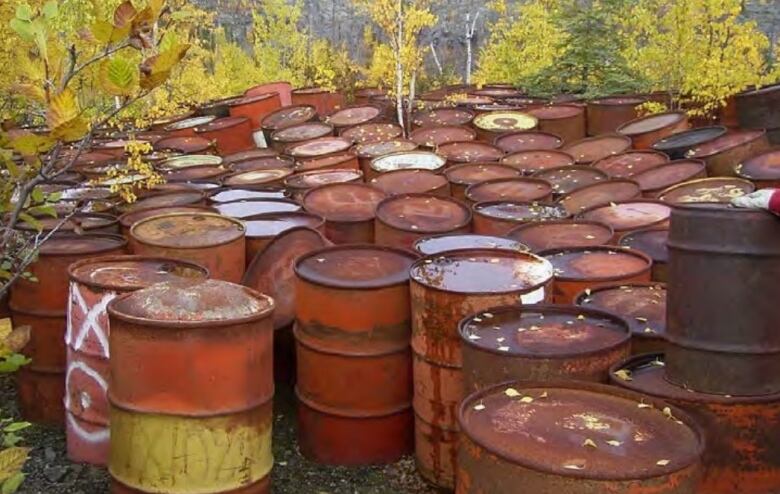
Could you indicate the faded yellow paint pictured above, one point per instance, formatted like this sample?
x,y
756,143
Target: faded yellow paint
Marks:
x,y
189,455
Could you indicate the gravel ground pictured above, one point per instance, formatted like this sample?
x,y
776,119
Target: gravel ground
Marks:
x,y
49,471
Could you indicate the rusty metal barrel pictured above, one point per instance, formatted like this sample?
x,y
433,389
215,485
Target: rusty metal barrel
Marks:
x,y
567,121
741,432
354,362
645,131
348,209
575,436
403,219
630,163
541,343
500,217
628,216
94,282
437,244
262,229
216,242
658,179
462,176
651,241
513,142
607,114
723,309
191,389
412,182
43,305
592,149
724,154
553,234
445,288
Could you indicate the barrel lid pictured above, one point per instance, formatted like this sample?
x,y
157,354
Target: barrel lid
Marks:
x,y
356,266
651,241
187,161
567,179
596,263
195,173
420,213
288,116
372,132
642,305
675,172
629,215
543,331
302,132
249,99
256,177
221,124
187,230
315,178
556,112
521,189
470,151
126,273
163,121
408,181
730,140
346,159
229,195
562,233
617,101
532,161
186,145
266,163
420,160
471,173
249,155
599,194
519,211
167,199
442,116
707,190
650,123
65,243
343,202
453,241
437,135
592,149
496,106
195,302
498,91
580,430
266,225
249,207
528,141
677,144
765,166
354,115
376,149
319,147
505,121
129,219
630,163
482,271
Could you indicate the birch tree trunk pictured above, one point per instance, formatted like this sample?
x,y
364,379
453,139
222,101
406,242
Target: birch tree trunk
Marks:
x,y
399,68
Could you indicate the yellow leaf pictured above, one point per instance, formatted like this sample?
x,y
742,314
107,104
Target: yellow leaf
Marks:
x,y
32,144
156,70
31,91
644,405
662,463
63,109
479,407
72,130
512,392
624,375
5,328
613,442
14,340
107,33
589,443
11,461
526,399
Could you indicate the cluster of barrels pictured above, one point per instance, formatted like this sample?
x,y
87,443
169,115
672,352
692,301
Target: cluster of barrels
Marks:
x,y
464,291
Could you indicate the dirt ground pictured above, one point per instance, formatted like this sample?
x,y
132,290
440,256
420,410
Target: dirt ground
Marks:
x,y
50,472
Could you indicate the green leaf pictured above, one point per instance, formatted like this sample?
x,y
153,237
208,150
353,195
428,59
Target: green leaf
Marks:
x,y
37,194
45,210
12,485
31,221
11,439
32,144
23,29
24,12
118,76
50,10
107,33
16,426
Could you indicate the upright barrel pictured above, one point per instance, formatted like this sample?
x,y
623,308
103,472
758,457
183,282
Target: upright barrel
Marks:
x,y
353,328
191,389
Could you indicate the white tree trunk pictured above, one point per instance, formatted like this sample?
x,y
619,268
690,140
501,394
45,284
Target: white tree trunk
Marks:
x,y
412,93
436,59
399,68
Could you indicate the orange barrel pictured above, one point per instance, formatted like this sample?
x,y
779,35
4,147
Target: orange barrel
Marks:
x,y
591,149
353,326
741,432
352,116
348,209
265,163
191,359
255,107
93,284
211,240
296,134
186,145
405,160
324,101
627,216
373,132
445,288
469,152
250,207
42,305
630,163
257,178
605,115
186,127
552,234
660,178
346,160
261,229
411,182
529,161
575,436
513,142
651,241
127,220
642,305
232,134
644,131
370,150
712,190
499,217
461,176
403,219
522,189
318,148
567,121
437,244
583,268
300,183
496,123
287,116
432,137
282,88
762,169
441,117
541,343
598,194
724,154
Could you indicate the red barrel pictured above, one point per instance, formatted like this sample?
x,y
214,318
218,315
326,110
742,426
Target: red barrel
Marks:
x,y
437,244
605,115
257,178
591,149
324,101
295,134
599,194
567,121
251,207
232,134
725,153
403,219
651,241
762,169
412,182
348,209
462,176
492,124
658,179
441,117
261,229
186,127
287,116
432,137
255,107
499,217
406,160
552,234
626,216
532,161
282,88
630,163
368,151
469,152
373,132
352,116
300,183
521,189
644,131
513,142
707,190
